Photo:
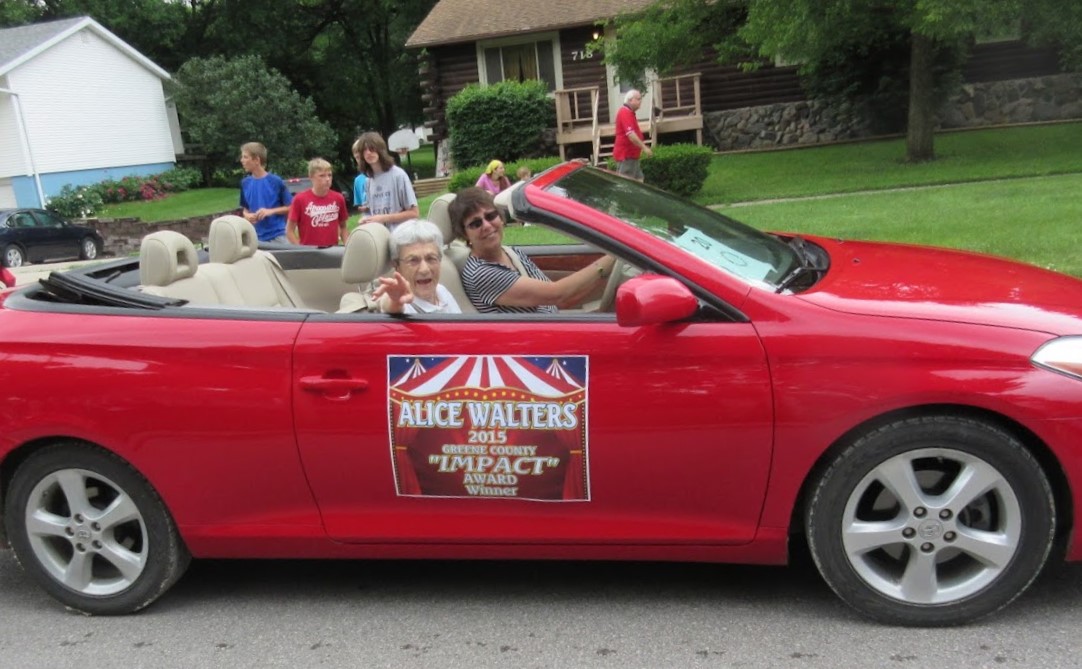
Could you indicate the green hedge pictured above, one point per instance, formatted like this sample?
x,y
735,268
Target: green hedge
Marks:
x,y
677,168
503,121
469,176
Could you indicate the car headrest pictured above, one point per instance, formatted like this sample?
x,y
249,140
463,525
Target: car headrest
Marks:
x,y
438,214
503,200
166,256
231,239
367,255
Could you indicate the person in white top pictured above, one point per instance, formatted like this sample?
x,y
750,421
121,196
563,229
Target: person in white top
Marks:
x,y
416,248
391,199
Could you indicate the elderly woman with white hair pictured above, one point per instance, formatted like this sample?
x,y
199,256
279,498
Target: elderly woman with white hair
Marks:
x,y
416,249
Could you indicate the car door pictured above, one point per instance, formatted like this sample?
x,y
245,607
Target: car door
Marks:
x,y
58,238
24,231
605,434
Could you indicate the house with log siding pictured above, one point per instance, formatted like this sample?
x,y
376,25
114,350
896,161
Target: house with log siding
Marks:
x,y
462,42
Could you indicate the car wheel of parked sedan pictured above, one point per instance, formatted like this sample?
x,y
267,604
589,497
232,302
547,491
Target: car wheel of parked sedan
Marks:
x,y
91,530
931,521
14,256
88,249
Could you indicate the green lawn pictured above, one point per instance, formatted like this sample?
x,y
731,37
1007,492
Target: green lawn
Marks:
x,y
962,156
1037,220
179,205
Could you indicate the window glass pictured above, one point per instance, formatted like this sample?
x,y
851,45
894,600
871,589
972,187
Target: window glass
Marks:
x,y
546,65
493,67
47,219
24,220
521,62
732,246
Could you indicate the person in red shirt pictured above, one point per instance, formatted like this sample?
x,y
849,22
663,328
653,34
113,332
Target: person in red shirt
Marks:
x,y
318,216
629,139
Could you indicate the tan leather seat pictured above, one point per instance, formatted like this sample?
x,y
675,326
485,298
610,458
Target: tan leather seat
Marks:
x,y
455,249
259,280
454,252
366,258
169,267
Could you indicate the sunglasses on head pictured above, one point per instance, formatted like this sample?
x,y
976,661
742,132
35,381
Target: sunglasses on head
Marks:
x,y
489,216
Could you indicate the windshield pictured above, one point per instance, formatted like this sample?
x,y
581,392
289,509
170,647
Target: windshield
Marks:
x,y
719,240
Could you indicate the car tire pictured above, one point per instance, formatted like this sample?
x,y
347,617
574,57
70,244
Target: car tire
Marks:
x,y
91,530
931,521
88,249
14,256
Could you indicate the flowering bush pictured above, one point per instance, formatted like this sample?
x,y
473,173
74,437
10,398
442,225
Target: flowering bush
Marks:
x,y
83,201
75,202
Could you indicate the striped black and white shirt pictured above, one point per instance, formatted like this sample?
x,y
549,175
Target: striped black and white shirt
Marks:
x,y
484,283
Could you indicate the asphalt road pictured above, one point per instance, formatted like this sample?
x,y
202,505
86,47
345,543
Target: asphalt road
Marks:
x,y
506,614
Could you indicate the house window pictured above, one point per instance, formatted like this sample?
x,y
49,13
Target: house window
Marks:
x,y
519,61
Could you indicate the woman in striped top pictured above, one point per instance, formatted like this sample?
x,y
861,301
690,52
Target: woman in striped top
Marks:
x,y
492,277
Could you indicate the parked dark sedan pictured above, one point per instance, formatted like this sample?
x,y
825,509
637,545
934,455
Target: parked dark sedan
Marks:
x,y
36,235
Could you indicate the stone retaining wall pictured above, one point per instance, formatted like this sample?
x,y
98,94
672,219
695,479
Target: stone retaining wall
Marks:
x,y
1040,99
122,235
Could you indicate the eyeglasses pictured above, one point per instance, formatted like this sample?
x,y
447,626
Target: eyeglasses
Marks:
x,y
415,261
489,216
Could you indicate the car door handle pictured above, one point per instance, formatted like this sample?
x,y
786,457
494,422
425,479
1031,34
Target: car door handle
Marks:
x,y
333,386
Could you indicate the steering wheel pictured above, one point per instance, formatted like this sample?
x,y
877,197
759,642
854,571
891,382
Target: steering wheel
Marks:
x,y
621,272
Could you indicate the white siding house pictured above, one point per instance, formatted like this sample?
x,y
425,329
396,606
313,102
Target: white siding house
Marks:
x,y
78,105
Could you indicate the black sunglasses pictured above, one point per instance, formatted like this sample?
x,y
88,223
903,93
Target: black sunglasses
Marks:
x,y
489,216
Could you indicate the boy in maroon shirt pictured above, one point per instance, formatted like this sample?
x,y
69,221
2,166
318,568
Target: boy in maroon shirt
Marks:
x,y
318,216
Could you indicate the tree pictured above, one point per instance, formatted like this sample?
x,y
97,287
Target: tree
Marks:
x,y
814,32
347,55
225,102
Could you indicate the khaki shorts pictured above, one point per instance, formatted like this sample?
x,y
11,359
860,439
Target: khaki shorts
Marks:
x,y
630,168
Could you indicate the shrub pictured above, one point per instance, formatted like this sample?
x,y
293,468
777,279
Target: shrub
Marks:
x,y
469,176
83,201
503,121
181,179
75,202
678,168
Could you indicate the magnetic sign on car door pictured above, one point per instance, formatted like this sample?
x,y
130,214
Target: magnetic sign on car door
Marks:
x,y
491,427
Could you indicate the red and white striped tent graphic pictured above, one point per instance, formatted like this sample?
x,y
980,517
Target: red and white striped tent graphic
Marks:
x,y
487,372
557,370
415,370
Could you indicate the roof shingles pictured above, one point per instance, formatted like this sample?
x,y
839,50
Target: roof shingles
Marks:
x,y
14,42
452,21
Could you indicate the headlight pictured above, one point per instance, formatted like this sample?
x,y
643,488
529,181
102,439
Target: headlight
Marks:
x,y
1063,355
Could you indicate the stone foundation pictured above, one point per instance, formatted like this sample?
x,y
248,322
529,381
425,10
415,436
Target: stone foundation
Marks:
x,y
1041,99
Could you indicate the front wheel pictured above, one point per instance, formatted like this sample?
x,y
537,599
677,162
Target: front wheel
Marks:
x,y
931,521
92,531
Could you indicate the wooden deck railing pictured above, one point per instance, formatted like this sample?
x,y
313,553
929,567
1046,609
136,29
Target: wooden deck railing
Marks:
x,y
576,116
677,100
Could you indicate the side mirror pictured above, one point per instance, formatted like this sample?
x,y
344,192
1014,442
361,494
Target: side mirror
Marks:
x,y
651,299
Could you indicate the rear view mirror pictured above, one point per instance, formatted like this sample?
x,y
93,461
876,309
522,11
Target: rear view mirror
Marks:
x,y
651,299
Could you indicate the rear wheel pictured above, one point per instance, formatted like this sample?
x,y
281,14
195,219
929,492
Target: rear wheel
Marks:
x,y
88,249
14,256
92,531
931,521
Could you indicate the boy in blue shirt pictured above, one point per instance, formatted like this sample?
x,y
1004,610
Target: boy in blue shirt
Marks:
x,y
264,198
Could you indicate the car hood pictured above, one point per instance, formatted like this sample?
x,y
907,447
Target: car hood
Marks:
x,y
896,280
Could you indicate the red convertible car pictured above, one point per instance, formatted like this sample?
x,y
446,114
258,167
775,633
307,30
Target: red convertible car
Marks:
x,y
912,415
